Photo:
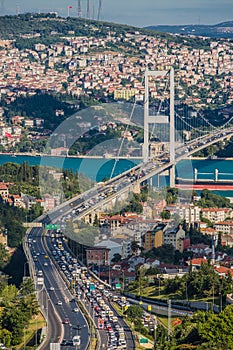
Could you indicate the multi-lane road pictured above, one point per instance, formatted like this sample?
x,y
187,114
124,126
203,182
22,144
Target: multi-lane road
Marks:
x,y
56,300
60,307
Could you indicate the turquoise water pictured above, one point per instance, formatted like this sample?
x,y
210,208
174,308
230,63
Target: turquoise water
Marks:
x,y
98,169
95,169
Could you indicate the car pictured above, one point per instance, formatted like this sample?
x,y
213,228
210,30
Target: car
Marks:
x,y
64,342
66,321
59,302
76,309
51,288
45,264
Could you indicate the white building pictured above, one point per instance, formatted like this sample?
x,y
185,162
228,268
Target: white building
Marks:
x,y
190,213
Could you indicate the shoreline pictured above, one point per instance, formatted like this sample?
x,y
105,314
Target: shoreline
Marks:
x,y
27,154
13,155
207,158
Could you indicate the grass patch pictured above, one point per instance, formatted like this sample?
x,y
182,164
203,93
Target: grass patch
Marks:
x,y
137,335
35,324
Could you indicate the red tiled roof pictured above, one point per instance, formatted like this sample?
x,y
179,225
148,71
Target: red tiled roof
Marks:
x,y
198,261
223,270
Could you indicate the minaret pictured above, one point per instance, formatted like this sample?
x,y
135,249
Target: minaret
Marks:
x,y
213,250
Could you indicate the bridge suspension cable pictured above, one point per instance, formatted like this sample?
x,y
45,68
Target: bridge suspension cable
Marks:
x,y
122,141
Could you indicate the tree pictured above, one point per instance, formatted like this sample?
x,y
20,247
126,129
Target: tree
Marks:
x,y
4,256
96,221
165,214
134,312
134,247
9,295
116,257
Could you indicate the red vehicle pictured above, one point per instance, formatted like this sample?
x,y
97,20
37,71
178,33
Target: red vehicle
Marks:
x,y
100,323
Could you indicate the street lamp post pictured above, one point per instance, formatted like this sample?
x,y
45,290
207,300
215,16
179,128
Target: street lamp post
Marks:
x,y
24,269
109,273
24,339
159,286
186,285
155,330
220,296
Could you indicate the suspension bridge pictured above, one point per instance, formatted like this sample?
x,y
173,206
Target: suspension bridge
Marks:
x,y
179,148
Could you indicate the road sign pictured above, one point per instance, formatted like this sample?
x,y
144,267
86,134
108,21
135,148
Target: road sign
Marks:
x,y
32,224
143,341
52,227
55,346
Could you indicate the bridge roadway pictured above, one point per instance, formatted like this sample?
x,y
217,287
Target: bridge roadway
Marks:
x,y
99,195
50,298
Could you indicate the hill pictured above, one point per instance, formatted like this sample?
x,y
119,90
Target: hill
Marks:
x,y
26,30
220,30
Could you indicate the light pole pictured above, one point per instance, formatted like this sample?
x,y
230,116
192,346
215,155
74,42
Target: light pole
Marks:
x,y
139,287
123,281
213,299
186,285
24,339
109,273
220,296
155,330
159,286
169,320
24,269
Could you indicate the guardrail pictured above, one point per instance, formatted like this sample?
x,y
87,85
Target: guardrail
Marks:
x,y
33,276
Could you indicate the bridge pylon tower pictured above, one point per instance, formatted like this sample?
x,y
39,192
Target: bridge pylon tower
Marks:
x,y
160,119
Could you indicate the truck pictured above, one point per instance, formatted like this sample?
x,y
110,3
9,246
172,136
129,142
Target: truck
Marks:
x,y
121,336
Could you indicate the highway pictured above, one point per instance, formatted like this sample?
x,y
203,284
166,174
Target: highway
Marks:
x,y
55,297
90,300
